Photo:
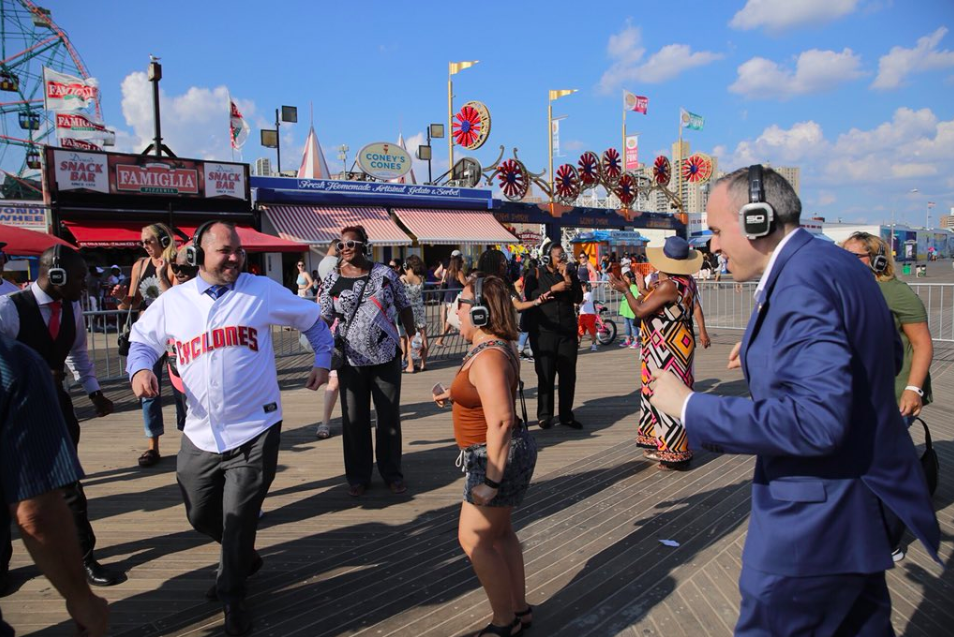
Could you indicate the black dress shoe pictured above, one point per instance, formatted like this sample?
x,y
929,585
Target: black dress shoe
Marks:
x,y
238,620
213,594
99,575
545,424
573,424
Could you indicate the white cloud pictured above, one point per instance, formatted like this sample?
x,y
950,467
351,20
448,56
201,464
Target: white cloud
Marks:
x,y
194,124
913,145
900,62
627,52
782,15
815,72
825,198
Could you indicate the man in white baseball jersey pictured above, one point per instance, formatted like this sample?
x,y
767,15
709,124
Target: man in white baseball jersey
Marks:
x,y
221,324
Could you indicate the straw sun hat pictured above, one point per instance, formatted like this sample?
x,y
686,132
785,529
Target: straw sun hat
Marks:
x,y
675,257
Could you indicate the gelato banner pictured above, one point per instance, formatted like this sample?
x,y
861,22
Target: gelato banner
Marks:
x,y
62,92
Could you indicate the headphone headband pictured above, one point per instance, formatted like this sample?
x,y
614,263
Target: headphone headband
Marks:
x,y
479,313
756,188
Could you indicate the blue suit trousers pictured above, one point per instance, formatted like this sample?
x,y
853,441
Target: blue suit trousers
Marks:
x,y
821,606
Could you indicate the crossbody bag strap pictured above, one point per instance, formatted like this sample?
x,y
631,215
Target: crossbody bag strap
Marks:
x,y
514,361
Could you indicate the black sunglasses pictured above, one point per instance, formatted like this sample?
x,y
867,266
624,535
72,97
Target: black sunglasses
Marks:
x,y
467,301
187,270
350,244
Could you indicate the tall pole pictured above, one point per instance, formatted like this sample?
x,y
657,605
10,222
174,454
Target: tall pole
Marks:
x,y
450,122
430,179
550,142
278,143
155,109
623,153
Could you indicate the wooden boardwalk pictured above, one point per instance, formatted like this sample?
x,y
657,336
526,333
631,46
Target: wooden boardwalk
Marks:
x,y
390,566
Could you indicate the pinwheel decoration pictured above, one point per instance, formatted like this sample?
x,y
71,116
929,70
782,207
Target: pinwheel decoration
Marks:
x,y
697,169
513,179
662,171
567,184
626,189
589,171
472,126
612,167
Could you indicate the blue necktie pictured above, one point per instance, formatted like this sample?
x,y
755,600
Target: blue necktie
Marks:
x,y
217,291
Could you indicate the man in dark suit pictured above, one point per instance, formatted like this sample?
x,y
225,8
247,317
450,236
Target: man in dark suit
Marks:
x,y
833,453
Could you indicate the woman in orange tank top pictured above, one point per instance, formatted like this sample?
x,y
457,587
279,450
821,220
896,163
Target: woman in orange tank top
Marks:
x,y
497,452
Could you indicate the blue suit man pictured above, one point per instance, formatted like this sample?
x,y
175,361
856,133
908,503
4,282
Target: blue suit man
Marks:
x,y
832,451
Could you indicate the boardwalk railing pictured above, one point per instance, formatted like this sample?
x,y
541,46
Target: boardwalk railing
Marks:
x,y
727,306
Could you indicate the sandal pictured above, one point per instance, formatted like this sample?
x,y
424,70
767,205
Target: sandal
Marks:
x,y
502,631
149,458
524,613
324,431
357,490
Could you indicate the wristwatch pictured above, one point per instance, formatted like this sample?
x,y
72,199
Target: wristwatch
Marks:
x,y
915,389
490,483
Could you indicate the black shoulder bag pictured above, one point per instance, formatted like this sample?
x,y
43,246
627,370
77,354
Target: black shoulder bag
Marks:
x,y
123,341
929,460
338,353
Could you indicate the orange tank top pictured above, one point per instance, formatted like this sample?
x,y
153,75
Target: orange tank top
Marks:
x,y
470,424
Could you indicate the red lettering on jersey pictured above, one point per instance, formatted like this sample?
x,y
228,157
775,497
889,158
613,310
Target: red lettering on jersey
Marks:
x,y
218,338
206,346
194,346
231,336
181,353
253,339
243,335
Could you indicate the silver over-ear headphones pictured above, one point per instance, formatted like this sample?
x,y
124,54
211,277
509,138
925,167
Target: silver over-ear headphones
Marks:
x,y
879,262
757,217
56,273
479,313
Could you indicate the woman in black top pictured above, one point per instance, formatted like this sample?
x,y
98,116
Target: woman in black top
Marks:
x,y
151,276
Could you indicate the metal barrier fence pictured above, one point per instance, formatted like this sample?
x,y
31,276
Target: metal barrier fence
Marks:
x,y
727,306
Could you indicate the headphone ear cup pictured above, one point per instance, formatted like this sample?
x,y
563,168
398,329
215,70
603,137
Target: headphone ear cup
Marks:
x,y
193,255
164,240
879,263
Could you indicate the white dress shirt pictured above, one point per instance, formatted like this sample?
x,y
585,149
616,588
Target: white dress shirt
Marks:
x,y
78,360
759,289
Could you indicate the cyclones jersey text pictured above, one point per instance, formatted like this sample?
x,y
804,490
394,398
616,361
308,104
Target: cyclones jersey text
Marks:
x,y
230,336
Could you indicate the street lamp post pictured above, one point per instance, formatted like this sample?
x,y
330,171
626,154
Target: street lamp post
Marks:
x,y
453,68
554,95
343,158
434,131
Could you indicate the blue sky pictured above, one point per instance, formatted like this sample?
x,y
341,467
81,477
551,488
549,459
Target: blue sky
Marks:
x,y
856,92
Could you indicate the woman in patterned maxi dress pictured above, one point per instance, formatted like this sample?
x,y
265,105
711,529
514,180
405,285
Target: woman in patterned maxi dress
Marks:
x,y
668,343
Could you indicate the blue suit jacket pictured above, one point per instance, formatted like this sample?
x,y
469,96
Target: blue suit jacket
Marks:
x,y
823,420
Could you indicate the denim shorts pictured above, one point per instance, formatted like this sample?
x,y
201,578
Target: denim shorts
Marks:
x,y
517,475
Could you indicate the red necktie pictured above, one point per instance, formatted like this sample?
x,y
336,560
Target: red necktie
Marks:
x,y
56,308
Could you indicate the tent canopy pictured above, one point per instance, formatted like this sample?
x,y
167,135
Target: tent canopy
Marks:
x,y
127,234
27,243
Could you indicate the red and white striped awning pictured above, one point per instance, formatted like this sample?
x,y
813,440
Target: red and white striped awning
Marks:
x,y
454,227
317,225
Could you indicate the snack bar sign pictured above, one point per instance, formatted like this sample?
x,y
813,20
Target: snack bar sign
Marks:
x,y
120,174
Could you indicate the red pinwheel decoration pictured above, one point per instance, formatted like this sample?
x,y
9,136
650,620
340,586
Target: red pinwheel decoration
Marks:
x,y
513,179
698,168
626,189
612,167
589,170
472,126
662,170
567,184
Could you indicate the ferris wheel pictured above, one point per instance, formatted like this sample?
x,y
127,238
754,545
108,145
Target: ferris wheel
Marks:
x,y
29,41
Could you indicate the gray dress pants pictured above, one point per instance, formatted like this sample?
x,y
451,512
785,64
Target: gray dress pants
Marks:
x,y
223,494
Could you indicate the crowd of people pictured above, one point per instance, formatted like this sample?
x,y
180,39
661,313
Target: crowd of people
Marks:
x,y
836,368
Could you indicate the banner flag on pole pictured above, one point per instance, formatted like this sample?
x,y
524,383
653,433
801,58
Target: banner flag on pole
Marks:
x,y
85,127
556,137
238,127
633,102
691,120
78,144
62,92
632,152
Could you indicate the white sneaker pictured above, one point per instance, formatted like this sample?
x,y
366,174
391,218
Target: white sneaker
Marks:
x,y
593,347
897,554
